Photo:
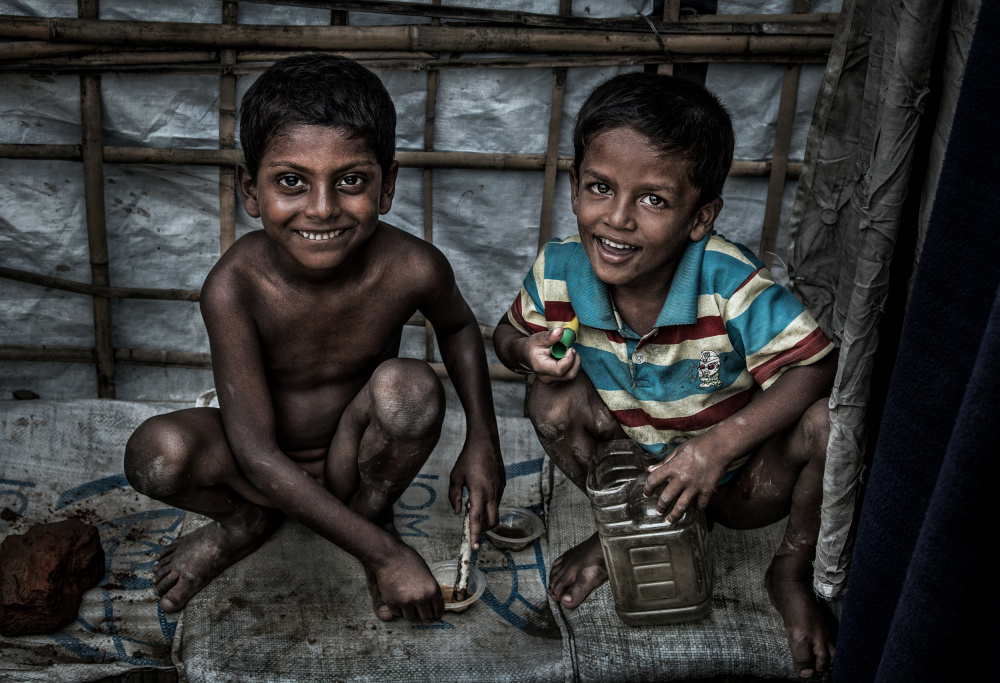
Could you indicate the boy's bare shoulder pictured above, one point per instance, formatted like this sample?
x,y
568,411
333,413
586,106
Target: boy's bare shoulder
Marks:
x,y
236,274
418,259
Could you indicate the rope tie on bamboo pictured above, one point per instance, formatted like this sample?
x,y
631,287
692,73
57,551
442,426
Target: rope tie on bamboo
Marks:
x,y
659,39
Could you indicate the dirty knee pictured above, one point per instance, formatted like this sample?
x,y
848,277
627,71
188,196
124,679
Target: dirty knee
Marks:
x,y
815,429
408,399
156,458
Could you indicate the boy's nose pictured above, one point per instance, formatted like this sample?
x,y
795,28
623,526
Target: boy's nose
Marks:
x,y
620,216
322,203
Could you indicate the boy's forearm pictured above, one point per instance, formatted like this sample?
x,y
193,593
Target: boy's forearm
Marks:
x,y
776,409
465,359
507,343
294,492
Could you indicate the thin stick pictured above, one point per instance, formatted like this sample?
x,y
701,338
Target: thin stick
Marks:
x,y
461,591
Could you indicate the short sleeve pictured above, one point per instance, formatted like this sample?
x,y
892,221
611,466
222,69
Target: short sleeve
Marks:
x,y
770,328
527,312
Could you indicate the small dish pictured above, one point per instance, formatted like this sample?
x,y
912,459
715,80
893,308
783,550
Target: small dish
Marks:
x,y
445,573
517,528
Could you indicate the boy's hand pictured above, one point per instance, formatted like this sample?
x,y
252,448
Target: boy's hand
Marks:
x,y
479,469
692,472
537,352
408,588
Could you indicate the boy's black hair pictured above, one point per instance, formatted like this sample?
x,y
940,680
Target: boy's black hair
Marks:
x,y
678,116
317,90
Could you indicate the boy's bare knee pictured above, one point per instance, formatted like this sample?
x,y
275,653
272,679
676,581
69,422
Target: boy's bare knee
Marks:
x,y
549,409
157,457
815,428
408,398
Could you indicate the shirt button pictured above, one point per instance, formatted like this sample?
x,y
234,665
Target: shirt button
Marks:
x,y
639,358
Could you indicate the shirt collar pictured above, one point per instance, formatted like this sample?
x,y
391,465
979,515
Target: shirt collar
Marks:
x,y
592,302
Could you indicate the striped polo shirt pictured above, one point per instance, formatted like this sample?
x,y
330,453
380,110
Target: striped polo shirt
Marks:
x,y
725,331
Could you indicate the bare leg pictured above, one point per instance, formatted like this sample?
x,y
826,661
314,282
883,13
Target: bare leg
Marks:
x,y
183,460
571,419
384,438
786,478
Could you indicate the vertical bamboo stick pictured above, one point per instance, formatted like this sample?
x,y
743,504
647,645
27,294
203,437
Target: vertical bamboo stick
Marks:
x,y
227,137
429,109
552,156
671,12
779,161
97,234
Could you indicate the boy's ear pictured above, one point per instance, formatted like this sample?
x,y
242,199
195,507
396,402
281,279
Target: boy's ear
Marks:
x,y
704,219
248,190
388,189
574,188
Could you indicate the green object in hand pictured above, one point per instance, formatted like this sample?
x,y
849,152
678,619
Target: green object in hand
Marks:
x,y
570,330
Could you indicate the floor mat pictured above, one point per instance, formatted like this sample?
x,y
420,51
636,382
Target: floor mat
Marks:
x,y
743,635
298,610
62,459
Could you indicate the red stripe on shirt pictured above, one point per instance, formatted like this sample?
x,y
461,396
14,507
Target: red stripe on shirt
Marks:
x,y
516,312
810,345
559,311
707,326
747,281
636,417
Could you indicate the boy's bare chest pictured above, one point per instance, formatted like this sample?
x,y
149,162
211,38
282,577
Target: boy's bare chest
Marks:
x,y
323,331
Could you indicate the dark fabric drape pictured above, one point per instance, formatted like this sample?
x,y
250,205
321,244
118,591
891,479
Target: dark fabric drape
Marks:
x,y
921,603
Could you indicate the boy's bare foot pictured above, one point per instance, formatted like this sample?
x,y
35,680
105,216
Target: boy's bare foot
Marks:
x,y
809,624
189,563
579,571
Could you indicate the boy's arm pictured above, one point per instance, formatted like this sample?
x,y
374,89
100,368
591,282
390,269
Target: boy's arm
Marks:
x,y
407,585
695,468
479,467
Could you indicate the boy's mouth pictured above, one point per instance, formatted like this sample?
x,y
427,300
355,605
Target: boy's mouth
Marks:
x,y
614,251
318,236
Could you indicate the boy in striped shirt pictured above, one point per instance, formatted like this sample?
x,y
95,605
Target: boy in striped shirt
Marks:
x,y
685,345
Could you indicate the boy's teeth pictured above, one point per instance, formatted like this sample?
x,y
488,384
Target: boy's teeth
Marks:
x,y
615,245
320,235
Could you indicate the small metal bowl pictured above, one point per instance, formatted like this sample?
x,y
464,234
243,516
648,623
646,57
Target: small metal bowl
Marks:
x,y
445,573
517,529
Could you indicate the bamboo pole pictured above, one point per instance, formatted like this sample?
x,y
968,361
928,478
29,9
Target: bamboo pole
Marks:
x,y
564,20
430,106
91,151
193,62
671,14
166,359
551,157
408,38
406,159
99,291
227,137
779,160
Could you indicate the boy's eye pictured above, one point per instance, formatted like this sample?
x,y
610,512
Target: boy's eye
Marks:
x,y
351,180
653,200
601,188
290,181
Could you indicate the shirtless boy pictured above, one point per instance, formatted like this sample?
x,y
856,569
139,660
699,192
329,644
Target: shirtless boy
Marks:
x,y
320,420
685,345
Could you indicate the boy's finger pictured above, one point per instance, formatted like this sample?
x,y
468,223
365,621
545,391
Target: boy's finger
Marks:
x,y
455,496
680,507
669,496
655,480
476,519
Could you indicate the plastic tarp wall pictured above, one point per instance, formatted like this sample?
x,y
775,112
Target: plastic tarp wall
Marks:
x,y
848,213
162,222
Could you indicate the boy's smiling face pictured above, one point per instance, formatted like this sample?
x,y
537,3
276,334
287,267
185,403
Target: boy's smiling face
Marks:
x,y
319,193
636,210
